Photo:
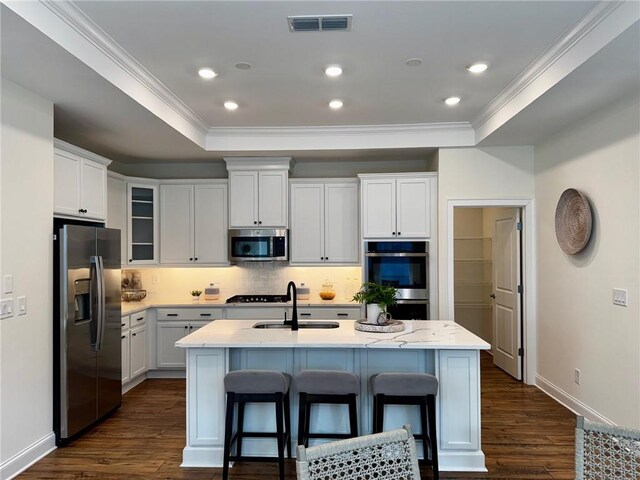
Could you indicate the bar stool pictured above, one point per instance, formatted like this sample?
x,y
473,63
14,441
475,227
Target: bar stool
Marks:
x,y
257,386
326,386
409,389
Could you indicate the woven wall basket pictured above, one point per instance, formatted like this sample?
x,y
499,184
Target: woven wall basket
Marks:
x,y
573,221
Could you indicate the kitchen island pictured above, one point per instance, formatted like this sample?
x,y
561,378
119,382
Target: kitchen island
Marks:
x,y
442,348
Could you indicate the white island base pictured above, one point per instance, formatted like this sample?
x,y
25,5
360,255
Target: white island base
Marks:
x,y
441,348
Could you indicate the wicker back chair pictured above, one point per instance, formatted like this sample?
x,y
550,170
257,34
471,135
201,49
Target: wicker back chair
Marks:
x,y
604,452
384,456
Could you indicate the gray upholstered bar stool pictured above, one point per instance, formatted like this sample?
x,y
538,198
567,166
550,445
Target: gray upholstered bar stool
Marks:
x,y
401,388
256,386
326,386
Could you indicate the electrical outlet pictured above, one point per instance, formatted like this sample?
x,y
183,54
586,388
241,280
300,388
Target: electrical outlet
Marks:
x,y
576,376
620,297
6,308
156,279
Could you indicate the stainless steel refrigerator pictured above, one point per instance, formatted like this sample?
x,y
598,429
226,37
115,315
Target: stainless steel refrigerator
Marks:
x,y
87,357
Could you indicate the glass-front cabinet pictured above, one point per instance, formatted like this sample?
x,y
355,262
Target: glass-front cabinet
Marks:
x,y
142,201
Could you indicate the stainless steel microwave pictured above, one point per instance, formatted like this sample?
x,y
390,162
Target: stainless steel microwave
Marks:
x,y
258,245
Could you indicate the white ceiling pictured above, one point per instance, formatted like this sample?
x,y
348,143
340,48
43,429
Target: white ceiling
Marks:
x,y
286,86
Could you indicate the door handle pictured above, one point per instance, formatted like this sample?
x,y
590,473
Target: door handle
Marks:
x,y
493,295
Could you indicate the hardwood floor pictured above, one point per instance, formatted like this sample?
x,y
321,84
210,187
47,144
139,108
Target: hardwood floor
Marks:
x,y
525,435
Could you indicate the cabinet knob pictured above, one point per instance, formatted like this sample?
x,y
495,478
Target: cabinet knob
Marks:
x,y
259,222
123,337
493,295
186,327
191,259
134,334
196,258
393,233
131,259
191,327
255,222
399,233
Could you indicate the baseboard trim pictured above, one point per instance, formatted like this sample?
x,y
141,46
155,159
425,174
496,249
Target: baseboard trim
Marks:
x,y
15,465
569,401
166,374
133,383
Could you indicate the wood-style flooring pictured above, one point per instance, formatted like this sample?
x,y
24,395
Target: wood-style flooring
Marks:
x,y
525,435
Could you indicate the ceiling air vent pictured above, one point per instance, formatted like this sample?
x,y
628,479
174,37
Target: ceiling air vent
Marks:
x,y
319,23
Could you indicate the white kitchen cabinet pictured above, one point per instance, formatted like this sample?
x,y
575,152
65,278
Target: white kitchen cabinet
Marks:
x,y
193,224
329,313
139,350
117,209
324,222
397,206
258,192
135,346
142,224
172,325
125,342
258,199
80,183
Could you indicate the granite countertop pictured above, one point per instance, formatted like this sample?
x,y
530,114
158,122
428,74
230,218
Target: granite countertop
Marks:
x,y
186,302
424,335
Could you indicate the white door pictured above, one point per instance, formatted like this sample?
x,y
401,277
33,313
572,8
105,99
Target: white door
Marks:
x,y
341,223
210,224
307,223
117,211
379,208
506,279
66,183
126,357
93,189
413,208
168,333
272,203
176,224
138,351
243,199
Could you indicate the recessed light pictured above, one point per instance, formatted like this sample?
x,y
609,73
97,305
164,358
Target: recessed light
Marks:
x,y
333,71
413,62
230,105
207,73
335,104
477,67
243,65
451,101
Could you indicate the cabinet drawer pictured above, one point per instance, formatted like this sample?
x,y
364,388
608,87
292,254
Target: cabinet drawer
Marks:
x,y
125,322
138,319
189,313
324,313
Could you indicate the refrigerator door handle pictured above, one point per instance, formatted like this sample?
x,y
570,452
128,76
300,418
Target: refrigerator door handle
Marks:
x,y
100,303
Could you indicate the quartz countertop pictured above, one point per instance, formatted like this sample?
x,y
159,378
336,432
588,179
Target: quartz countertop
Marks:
x,y
186,302
424,335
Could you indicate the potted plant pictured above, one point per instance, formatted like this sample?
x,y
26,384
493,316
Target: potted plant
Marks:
x,y
195,295
377,298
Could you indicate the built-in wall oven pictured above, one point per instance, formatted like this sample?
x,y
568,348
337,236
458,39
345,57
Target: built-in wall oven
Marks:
x,y
404,265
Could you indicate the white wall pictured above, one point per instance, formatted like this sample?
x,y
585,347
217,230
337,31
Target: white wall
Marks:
x,y
26,219
578,326
493,173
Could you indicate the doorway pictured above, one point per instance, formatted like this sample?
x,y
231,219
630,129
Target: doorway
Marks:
x,y
487,280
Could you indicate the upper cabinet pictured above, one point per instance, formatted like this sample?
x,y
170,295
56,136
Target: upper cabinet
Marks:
x,y
80,183
193,223
142,225
324,221
117,209
258,192
398,206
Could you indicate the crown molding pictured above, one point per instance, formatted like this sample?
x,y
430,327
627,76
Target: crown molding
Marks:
x,y
66,24
81,152
419,135
597,28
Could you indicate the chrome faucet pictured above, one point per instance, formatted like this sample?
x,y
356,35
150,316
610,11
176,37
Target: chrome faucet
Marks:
x,y
294,313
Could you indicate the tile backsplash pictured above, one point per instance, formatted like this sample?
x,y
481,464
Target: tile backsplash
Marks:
x,y
248,278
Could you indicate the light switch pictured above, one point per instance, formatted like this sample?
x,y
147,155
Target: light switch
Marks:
x,y
620,297
6,308
7,284
22,305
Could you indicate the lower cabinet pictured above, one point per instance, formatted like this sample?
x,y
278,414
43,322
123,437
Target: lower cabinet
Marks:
x,y
174,324
135,346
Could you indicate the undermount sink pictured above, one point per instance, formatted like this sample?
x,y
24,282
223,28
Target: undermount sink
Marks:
x,y
324,325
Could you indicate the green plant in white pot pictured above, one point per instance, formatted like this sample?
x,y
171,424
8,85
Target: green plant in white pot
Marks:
x,y
377,298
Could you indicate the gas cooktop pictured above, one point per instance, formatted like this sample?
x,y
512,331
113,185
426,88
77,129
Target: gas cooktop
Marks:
x,y
257,299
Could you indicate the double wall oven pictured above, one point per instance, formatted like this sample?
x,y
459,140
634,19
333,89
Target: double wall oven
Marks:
x,y
404,265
